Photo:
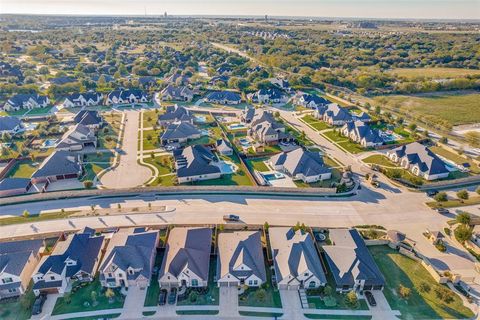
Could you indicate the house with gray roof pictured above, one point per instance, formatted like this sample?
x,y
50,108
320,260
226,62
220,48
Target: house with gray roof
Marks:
x,y
187,258
18,260
60,165
301,164
195,163
265,129
89,118
247,114
175,114
179,132
77,138
362,133
240,259
176,93
333,114
223,147
127,96
223,97
129,259
76,258
14,186
311,101
90,98
350,262
296,261
26,101
10,125
269,96
419,160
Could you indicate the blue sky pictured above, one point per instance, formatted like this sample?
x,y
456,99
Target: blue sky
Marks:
x,y
430,9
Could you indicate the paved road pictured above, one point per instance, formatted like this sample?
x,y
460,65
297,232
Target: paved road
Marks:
x,y
128,173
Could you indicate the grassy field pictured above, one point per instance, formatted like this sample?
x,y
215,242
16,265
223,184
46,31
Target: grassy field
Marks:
x,y
422,304
453,108
259,164
453,203
433,73
23,169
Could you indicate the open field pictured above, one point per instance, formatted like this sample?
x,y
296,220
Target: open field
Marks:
x,y
433,73
423,302
453,108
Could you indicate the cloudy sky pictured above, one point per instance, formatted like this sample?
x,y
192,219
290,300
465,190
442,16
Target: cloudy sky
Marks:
x,y
431,9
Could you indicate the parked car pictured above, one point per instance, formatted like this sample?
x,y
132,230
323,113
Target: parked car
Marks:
x,y
162,297
432,193
172,297
231,217
370,298
442,211
38,304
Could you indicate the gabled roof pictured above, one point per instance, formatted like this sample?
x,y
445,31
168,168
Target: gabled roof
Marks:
x,y
272,93
182,130
350,260
88,117
418,154
14,255
188,248
176,113
58,163
19,100
79,134
177,92
337,113
294,253
308,98
89,95
223,95
8,123
222,145
299,161
363,131
125,94
248,113
240,248
195,160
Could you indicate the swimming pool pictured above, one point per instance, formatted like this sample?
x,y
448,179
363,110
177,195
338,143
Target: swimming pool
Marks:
x,y
236,126
201,119
49,143
244,143
226,168
273,176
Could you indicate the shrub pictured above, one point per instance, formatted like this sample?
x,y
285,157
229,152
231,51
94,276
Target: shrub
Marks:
x,y
404,292
424,287
329,301
26,214
193,296
261,295
88,184
441,246
444,294
351,299
462,194
441,197
463,218
447,231
463,233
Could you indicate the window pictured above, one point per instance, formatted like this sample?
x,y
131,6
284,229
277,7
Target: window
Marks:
x,y
250,282
52,277
306,274
7,280
312,284
194,283
12,290
255,282
110,275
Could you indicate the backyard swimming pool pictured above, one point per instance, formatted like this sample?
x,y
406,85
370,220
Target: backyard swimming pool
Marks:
x,y
49,143
201,119
244,143
225,167
273,176
236,126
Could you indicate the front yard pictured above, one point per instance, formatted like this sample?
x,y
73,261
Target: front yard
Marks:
x,y
84,300
151,139
428,299
203,296
18,309
315,123
95,163
108,135
343,142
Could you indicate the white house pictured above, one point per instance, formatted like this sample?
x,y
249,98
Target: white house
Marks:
x,y
83,99
26,101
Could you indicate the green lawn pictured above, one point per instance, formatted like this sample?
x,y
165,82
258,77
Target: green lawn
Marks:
x,y
103,316
260,314
399,269
334,316
35,218
23,169
380,160
151,139
211,297
150,117
81,300
315,123
20,309
239,178
259,164
344,142
197,312
108,135
95,163
336,176
453,203
153,290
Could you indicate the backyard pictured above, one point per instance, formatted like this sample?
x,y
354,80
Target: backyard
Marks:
x,y
239,178
425,301
23,169
151,139
474,168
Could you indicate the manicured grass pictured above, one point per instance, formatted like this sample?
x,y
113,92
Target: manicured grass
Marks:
x,y
315,123
164,164
95,163
211,297
151,139
455,203
344,142
433,73
197,312
19,309
259,164
23,169
334,316
452,108
153,290
35,218
103,316
455,158
83,296
148,313
108,135
150,117
239,178
380,160
260,314
398,269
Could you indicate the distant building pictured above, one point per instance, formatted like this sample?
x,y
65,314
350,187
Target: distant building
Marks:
x,y
10,125
175,114
269,96
362,133
127,96
179,132
333,114
174,93
311,101
224,97
89,118
26,101
85,99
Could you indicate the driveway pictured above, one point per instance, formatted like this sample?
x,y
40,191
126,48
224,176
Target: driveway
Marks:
x,y
129,173
382,310
228,302
292,307
132,308
47,307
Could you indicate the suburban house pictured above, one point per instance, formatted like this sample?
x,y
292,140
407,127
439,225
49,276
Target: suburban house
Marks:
x,y
76,258
26,101
362,116
177,79
311,101
180,132
333,114
223,147
222,78
174,114
362,133
240,259
173,93
280,83
127,96
18,260
85,99
77,138
14,186
269,96
223,97
196,163
301,164
147,82
350,262
419,160
10,125
224,69
60,165
89,118
129,258
247,114
296,261
266,130
187,258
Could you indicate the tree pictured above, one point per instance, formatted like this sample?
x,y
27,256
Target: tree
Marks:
x,y
43,70
328,290
351,299
26,214
412,127
463,218
463,233
266,226
424,287
441,197
110,294
404,292
88,184
193,296
462,194
261,295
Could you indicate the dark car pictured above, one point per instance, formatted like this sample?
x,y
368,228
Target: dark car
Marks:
x,y
38,304
432,193
231,217
172,297
162,297
370,298
443,211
